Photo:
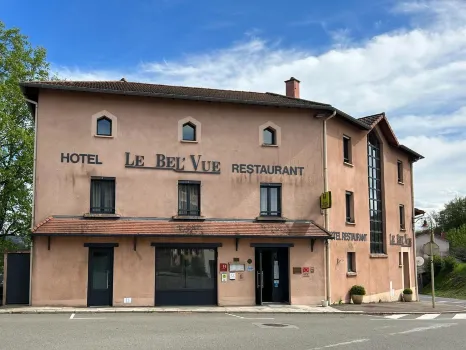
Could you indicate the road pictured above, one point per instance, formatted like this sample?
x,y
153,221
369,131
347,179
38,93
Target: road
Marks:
x,y
445,301
225,331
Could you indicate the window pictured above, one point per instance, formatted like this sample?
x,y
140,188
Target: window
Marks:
x,y
269,137
189,132
189,198
104,126
270,198
402,217
349,200
103,196
400,171
347,149
351,258
375,194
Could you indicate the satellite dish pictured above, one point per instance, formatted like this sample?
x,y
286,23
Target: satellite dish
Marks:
x,y
419,261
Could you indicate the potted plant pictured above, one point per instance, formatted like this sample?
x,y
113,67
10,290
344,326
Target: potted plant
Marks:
x,y
407,294
357,294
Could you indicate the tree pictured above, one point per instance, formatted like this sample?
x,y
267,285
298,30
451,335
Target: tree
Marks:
x,y
19,61
453,216
457,239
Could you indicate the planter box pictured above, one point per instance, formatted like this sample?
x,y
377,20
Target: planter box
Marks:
x,y
357,299
408,297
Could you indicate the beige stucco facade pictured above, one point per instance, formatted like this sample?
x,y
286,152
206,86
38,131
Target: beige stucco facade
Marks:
x,y
228,136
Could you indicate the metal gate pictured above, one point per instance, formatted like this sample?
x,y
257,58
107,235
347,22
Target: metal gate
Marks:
x,y
17,278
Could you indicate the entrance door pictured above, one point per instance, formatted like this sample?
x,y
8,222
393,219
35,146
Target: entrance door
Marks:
x,y
185,276
407,280
100,277
17,274
272,275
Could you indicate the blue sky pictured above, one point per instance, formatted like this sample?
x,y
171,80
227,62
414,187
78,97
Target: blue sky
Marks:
x,y
406,58
116,33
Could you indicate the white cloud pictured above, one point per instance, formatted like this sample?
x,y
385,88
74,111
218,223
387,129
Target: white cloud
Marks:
x,y
411,74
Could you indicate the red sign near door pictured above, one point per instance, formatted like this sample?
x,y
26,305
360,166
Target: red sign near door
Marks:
x,y
223,267
306,269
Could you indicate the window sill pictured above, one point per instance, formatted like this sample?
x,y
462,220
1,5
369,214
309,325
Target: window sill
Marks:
x,y
378,256
401,183
188,218
265,145
187,141
402,229
350,223
351,274
348,164
400,266
271,218
101,216
104,136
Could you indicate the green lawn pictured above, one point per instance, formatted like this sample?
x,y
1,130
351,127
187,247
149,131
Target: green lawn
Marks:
x,y
450,285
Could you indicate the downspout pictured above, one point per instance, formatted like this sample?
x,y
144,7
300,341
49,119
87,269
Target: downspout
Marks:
x,y
326,211
33,207
414,232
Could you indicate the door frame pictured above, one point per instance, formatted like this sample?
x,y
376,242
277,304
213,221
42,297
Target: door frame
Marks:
x,y
257,248
109,247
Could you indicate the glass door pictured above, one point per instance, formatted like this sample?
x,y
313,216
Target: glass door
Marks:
x,y
100,277
259,277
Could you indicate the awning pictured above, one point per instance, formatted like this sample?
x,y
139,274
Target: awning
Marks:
x,y
56,226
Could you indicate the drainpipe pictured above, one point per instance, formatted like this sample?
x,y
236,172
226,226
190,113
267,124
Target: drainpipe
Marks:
x,y
326,211
414,231
33,207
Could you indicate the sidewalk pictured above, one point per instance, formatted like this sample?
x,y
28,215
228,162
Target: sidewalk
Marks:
x,y
288,309
373,309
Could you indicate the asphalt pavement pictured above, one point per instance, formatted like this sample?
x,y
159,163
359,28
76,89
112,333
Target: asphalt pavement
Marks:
x,y
229,331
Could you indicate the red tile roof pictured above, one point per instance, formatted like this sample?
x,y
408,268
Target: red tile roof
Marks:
x,y
177,92
97,227
372,120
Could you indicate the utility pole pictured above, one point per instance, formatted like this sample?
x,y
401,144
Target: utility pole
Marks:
x,y
432,265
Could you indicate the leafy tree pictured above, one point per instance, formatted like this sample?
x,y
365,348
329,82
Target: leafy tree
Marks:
x,y
19,61
453,216
457,239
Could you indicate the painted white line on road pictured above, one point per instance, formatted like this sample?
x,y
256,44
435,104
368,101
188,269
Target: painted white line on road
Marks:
x,y
341,344
425,329
395,317
250,318
428,317
457,302
72,316
459,317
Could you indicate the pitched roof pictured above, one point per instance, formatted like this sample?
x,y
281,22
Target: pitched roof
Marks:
x,y
380,119
116,227
169,91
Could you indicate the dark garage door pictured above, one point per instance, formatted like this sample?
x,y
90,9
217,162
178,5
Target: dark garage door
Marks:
x,y
17,283
185,276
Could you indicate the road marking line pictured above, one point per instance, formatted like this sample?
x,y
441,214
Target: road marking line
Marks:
x,y
395,317
427,317
250,318
459,317
72,316
341,344
425,329
457,302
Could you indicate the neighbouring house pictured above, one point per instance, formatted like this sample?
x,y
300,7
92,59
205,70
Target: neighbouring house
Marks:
x,y
423,238
150,194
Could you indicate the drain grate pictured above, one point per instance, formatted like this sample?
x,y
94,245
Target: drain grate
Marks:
x,y
274,325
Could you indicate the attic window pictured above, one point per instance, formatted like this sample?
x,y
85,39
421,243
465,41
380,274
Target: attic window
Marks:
x,y
189,132
270,137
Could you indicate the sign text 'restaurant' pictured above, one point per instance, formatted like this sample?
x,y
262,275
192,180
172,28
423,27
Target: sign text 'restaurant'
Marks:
x,y
266,169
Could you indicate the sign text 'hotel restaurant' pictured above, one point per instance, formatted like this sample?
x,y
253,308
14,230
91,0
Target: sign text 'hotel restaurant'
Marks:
x,y
191,164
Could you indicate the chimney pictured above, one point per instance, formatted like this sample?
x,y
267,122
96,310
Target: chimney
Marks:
x,y
292,87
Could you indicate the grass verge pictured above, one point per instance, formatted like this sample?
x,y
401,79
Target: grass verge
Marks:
x,y
450,284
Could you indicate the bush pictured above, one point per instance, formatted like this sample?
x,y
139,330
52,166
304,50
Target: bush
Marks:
x,y
357,290
439,265
407,291
450,263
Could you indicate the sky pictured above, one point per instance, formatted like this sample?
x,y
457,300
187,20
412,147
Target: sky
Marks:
x,y
406,58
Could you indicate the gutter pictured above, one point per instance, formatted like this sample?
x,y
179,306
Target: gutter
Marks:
x,y
414,232
33,206
326,211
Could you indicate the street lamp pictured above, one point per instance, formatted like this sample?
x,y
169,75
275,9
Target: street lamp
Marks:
x,y
424,225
